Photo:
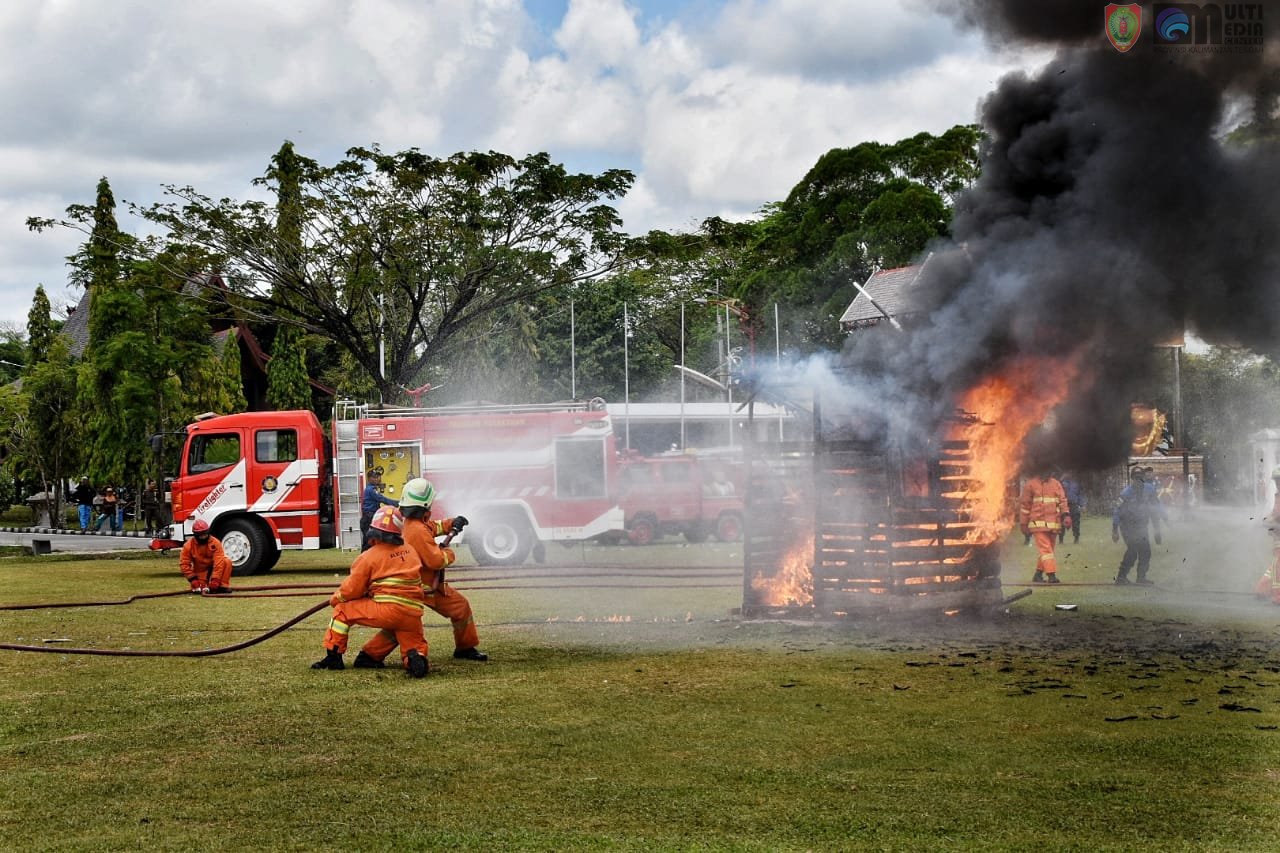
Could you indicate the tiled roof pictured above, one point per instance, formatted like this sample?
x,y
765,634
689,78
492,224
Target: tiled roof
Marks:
x,y
77,326
892,291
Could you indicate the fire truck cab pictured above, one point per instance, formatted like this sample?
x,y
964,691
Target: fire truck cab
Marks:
x,y
522,475
262,482
681,493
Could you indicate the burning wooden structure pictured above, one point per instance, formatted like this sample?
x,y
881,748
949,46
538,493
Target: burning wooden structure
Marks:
x,y
839,527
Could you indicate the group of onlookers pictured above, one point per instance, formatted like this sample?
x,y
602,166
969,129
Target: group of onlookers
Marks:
x,y
107,506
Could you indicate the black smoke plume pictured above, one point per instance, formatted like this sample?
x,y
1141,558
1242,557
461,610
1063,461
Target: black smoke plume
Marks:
x,y
1111,214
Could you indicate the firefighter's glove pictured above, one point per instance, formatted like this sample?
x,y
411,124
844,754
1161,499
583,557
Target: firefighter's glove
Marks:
x,y
195,587
459,522
1066,522
1115,535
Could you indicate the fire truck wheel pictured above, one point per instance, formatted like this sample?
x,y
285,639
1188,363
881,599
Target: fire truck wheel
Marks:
x,y
501,541
272,557
729,527
246,547
642,530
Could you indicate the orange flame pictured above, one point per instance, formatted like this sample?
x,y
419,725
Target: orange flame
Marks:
x,y
792,586
1008,406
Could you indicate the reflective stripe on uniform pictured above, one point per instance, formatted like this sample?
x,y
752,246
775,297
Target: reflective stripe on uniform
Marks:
x,y
339,627
395,599
396,582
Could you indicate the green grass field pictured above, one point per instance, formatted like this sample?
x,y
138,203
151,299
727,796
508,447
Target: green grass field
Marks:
x,y
636,711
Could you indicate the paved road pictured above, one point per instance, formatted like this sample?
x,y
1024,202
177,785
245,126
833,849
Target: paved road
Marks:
x,y
75,542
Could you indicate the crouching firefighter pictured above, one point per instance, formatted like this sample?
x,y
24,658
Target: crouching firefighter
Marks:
x,y
420,532
383,590
203,562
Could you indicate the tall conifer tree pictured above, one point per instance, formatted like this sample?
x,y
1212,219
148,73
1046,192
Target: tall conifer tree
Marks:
x,y
287,381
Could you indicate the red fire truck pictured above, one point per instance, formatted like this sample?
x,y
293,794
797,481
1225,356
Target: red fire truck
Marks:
x,y
523,476
682,493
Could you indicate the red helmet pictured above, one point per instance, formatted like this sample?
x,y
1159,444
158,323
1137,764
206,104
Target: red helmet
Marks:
x,y
389,520
199,527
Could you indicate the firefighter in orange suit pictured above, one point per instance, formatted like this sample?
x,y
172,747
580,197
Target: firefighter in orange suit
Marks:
x,y
383,590
1042,513
203,562
420,531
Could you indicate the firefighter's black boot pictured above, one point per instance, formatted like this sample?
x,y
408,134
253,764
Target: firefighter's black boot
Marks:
x,y
1038,577
1122,580
470,654
332,660
417,664
364,660
1052,577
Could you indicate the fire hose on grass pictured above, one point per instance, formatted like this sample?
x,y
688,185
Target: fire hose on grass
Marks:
x,y
222,650
244,592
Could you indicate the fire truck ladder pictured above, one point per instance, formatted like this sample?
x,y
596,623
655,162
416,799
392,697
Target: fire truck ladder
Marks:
x,y
346,466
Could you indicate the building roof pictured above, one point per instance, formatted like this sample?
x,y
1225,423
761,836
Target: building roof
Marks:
x,y
76,328
892,290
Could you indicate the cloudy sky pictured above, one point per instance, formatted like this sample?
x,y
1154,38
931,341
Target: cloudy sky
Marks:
x,y
718,106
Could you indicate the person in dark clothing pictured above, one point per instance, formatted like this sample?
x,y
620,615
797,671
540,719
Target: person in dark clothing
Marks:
x,y
1076,502
370,500
1138,510
84,495
152,500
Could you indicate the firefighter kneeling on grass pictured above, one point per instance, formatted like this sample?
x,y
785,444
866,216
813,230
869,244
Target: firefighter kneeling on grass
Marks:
x,y
384,590
420,532
203,562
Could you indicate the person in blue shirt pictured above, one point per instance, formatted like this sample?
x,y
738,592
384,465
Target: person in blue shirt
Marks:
x,y
1076,502
1139,510
370,500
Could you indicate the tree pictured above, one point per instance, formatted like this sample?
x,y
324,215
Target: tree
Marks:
x,y
858,208
45,432
98,269
232,378
403,252
287,381
39,328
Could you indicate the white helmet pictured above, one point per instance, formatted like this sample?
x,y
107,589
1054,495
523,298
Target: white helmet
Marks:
x,y
418,492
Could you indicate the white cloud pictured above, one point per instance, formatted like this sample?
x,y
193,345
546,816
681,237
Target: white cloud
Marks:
x,y
718,105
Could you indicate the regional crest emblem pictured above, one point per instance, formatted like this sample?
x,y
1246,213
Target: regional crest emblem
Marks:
x,y
1123,24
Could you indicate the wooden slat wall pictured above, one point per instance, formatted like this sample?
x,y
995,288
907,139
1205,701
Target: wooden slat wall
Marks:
x,y
874,548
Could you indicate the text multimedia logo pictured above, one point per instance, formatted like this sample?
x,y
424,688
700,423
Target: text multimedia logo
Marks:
x,y
1209,28
1123,25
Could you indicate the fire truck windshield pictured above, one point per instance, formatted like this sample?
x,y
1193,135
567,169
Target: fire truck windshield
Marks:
x,y
210,452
